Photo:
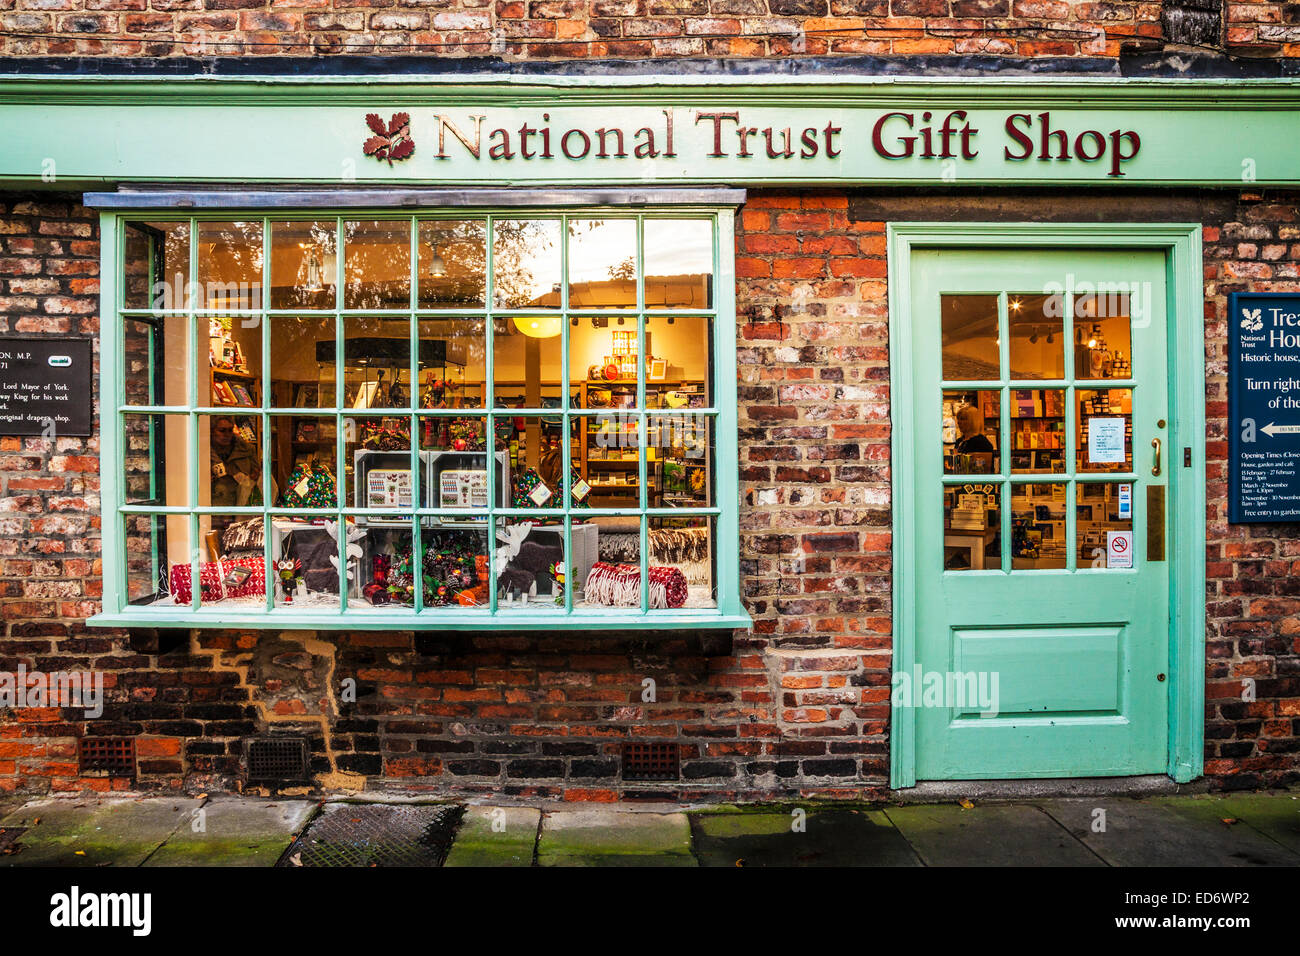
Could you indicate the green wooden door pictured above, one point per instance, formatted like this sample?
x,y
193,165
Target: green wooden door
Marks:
x,y
1042,592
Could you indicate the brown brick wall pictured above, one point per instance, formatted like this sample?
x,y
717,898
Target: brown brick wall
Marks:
x,y
566,29
799,706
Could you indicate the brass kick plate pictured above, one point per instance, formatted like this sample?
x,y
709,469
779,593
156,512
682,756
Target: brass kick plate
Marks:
x,y
1155,522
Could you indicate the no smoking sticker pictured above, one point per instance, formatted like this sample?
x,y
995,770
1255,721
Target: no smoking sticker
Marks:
x,y
1119,549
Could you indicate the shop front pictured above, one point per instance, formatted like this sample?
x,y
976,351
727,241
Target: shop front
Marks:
x,y
679,437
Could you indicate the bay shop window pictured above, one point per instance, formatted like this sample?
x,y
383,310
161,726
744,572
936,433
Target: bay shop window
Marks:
x,y
504,419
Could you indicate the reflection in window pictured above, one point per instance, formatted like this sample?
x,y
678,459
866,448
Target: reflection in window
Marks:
x,y
1036,324
970,337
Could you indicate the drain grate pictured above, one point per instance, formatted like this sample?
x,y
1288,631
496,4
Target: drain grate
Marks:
x,y
277,758
112,755
376,835
642,761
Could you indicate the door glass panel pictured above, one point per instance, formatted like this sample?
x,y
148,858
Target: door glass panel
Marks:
x,y
972,523
1037,431
1037,527
1104,512
1102,336
1036,326
970,337
970,431
1105,430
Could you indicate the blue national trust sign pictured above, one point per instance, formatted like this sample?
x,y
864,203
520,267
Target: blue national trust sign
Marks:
x,y
1263,407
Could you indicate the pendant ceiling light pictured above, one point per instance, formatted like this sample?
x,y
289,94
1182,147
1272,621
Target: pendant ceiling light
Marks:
x,y
538,326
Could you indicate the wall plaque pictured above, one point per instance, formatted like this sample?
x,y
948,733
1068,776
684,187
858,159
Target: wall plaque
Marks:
x,y
46,387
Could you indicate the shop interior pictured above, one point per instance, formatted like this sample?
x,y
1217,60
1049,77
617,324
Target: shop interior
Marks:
x,y
339,429
1040,426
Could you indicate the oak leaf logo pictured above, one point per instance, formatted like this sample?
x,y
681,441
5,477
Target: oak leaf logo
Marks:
x,y
392,140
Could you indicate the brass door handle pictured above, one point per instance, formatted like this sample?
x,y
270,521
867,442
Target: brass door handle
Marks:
x,y
1155,469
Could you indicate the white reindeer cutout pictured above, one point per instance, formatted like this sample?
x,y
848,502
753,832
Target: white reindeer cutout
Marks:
x,y
354,550
513,537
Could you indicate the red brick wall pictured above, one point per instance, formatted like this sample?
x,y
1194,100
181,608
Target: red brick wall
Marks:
x,y
563,29
1253,571
800,706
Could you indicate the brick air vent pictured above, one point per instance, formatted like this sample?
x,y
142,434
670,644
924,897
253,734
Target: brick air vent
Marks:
x,y
651,762
112,755
277,758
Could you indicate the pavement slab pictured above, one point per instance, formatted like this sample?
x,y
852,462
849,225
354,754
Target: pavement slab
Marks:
x,y
94,831
235,832
989,835
614,838
1147,833
820,838
1274,815
495,836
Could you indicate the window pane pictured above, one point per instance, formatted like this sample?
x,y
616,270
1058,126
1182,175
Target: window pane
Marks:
x,y
1104,525
605,458
301,361
376,361
678,263
680,358
536,458
387,569
602,264
972,535
1037,430
377,463
155,362
303,451
1105,431
305,561
1037,327
155,457
527,365
971,421
304,264
157,261
453,365
970,337
456,569
377,265
153,546
528,560
679,463
231,447
1102,336
615,542
229,259
683,563
1037,526
526,264
234,367
453,264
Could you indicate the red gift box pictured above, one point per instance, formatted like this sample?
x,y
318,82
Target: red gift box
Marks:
x,y
212,576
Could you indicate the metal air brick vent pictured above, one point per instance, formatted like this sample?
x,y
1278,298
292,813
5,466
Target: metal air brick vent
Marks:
x,y
112,755
276,758
643,761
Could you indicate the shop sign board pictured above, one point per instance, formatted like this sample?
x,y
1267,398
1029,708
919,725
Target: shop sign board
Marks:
x,y
1263,407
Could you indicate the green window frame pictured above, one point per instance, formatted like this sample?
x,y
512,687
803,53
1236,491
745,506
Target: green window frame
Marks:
x,y
118,511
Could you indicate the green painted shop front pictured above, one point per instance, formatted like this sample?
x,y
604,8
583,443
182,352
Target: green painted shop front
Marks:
x,y
1055,575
